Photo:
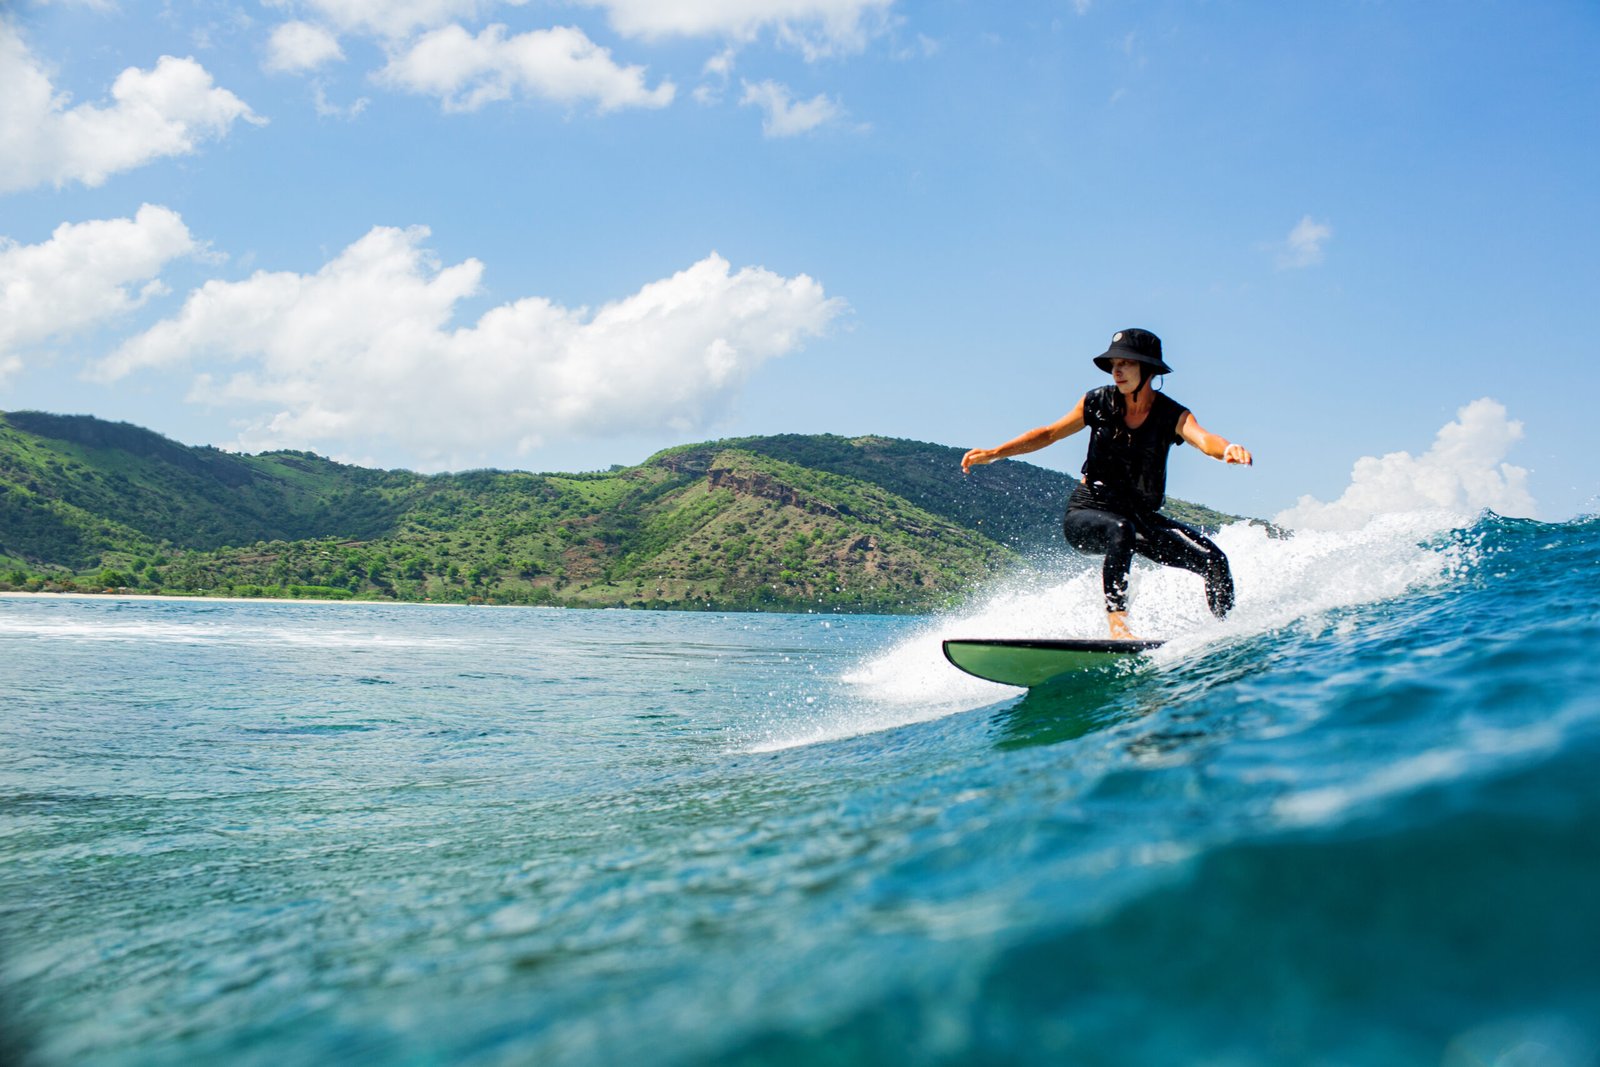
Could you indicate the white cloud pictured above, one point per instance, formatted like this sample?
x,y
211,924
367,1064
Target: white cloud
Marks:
x,y
721,64
785,117
85,274
1303,247
1462,473
327,109
363,351
162,112
717,72
922,47
395,19
560,64
817,27
297,47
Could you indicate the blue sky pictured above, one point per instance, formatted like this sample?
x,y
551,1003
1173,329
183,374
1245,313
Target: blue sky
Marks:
x,y
443,234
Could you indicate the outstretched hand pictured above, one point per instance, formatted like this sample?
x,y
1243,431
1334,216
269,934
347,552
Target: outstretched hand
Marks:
x,y
976,457
1238,454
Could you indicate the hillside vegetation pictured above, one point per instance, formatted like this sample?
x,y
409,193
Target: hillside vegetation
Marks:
x,y
790,522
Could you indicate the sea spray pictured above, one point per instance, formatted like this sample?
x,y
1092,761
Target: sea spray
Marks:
x,y
1281,581
1383,537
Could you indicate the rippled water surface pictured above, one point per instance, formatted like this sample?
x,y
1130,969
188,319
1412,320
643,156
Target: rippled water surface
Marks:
x,y
1357,823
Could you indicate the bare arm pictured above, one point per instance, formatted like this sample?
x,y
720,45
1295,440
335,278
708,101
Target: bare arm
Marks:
x,y
1213,445
1032,441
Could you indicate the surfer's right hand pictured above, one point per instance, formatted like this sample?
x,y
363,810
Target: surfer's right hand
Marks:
x,y
976,458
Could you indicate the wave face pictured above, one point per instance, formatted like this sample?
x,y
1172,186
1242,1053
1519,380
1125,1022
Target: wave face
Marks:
x,y
1370,798
1354,823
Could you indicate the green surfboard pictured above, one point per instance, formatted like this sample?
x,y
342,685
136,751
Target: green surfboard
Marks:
x,y
1028,662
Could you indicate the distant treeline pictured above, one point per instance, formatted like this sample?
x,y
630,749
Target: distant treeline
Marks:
x,y
791,522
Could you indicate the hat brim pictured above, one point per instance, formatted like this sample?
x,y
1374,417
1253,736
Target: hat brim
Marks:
x,y
1103,360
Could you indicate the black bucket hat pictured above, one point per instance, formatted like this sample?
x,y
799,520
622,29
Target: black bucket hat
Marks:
x,y
1142,346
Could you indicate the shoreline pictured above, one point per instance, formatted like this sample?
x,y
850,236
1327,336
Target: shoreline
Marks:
x,y
21,594
262,600
325,602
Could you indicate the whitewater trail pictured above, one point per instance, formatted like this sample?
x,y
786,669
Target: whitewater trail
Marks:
x,y
1382,538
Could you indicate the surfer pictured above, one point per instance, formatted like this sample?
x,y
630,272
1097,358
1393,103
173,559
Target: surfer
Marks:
x,y
1115,509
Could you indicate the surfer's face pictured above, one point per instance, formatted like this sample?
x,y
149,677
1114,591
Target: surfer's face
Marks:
x,y
1127,374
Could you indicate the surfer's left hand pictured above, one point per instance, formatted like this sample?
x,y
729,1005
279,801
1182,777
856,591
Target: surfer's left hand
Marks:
x,y
1238,454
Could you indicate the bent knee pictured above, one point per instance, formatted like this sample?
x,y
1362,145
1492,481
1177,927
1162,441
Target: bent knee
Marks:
x,y
1097,532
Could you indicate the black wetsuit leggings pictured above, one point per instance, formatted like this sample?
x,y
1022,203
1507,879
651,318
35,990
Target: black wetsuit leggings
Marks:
x,y
1154,537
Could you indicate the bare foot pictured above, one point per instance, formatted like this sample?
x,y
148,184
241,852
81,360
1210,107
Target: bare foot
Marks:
x,y
1119,626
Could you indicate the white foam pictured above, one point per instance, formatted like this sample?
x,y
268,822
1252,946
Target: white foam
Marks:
x,y
205,632
1279,581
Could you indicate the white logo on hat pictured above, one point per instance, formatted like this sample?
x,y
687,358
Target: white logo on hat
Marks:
x,y
1117,338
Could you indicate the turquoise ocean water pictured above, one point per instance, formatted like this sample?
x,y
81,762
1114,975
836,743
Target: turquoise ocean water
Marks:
x,y
1358,823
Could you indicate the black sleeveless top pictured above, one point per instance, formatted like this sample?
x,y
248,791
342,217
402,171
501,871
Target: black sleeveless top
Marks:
x,y
1126,470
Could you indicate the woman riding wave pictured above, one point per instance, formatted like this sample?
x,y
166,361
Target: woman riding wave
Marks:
x,y
1115,510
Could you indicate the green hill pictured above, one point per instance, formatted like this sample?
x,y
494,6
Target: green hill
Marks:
x,y
786,522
